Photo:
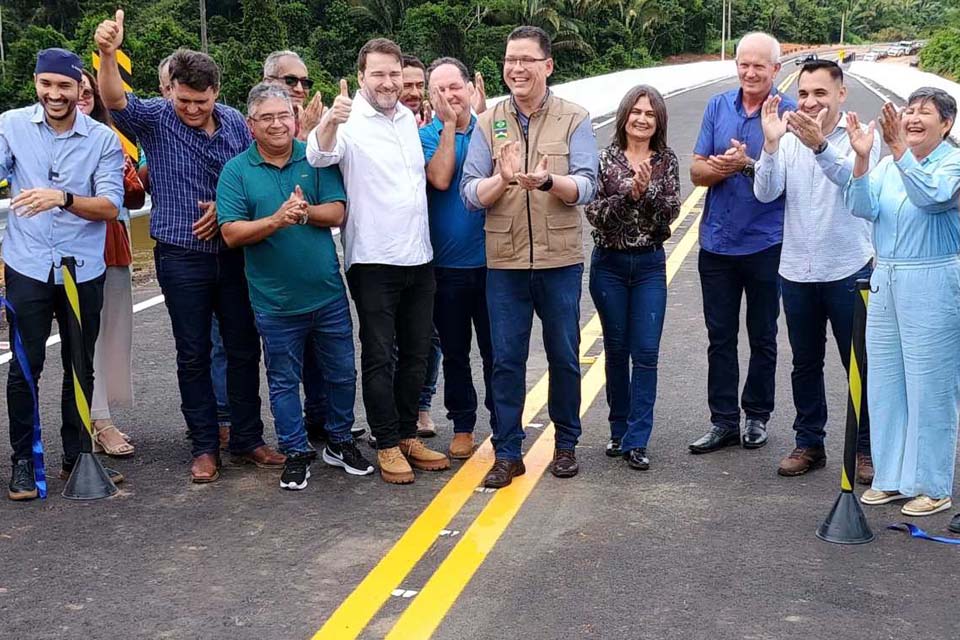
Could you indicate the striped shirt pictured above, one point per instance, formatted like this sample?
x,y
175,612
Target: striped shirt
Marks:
x,y
185,164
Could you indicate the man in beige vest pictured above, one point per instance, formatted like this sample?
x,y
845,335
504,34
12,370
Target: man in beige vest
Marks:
x,y
532,168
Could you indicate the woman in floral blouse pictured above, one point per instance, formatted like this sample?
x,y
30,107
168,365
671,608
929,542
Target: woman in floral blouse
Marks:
x,y
638,198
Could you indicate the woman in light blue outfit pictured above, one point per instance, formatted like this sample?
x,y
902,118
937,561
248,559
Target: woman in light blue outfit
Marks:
x,y
913,319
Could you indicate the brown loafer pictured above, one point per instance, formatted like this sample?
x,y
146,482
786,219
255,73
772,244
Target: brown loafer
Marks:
x,y
802,460
864,469
503,472
564,463
461,447
262,457
205,469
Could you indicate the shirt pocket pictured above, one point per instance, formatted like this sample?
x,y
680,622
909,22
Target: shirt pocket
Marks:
x,y
558,156
499,232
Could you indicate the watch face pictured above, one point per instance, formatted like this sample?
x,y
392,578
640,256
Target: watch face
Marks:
x,y
748,171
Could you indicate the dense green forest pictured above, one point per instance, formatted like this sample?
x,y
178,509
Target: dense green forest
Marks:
x,y
590,36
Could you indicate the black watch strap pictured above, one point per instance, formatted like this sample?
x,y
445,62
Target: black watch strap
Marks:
x,y
67,200
547,184
823,147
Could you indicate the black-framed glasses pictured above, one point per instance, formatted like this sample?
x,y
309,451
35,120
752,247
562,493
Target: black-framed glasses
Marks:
x,y
523,61
292,81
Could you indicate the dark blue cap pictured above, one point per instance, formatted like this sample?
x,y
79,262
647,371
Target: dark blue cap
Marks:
x,y
61,61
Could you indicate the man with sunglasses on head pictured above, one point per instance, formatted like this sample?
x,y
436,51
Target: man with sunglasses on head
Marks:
x,y
287,69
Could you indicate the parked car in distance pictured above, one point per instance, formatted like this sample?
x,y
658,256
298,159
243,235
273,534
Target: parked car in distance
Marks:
x,y
801,60
871,56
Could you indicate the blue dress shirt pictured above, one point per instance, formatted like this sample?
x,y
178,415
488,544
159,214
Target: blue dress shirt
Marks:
x,y
86,161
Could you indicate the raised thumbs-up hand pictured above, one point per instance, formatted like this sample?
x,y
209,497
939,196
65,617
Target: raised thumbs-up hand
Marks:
x,y
109,34
342,106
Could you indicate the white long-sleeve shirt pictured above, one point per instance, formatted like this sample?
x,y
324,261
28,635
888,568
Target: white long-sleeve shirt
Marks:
x,y
822,240
384,174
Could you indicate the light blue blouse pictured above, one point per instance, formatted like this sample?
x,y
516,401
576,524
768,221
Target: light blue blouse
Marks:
x,y
915,205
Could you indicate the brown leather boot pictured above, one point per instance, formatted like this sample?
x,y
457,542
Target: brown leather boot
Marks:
x,y
205,469
262,457
802,460
423,458
461,447
864,469
503,472
394,467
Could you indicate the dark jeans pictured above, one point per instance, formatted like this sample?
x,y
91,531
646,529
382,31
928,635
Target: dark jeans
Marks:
x,y
459,309
429,388
315,401
724,280
36,304
513,296
808,306
196,286
394,307
218,371
327,334
629,290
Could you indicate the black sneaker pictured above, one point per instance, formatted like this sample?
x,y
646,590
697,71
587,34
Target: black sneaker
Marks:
x,y
296,472
637,459
613,448
22,484
347,456
357,432
955,524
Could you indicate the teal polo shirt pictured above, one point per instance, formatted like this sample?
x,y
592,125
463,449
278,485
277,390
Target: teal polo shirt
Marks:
x,y
295,270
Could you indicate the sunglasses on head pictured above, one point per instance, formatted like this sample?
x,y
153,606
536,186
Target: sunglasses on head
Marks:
x,y
291,81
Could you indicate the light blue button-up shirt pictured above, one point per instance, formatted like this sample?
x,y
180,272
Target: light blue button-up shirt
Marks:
x,y
86,161
913,204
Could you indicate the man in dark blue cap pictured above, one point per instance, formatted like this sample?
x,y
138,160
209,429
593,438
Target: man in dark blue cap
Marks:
x,y
66,178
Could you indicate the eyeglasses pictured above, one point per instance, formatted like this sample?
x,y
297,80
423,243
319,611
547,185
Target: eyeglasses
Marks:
x,y
86,94
292,81
272,118
524,61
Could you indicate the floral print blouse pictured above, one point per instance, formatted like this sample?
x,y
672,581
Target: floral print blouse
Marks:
x,y
619,221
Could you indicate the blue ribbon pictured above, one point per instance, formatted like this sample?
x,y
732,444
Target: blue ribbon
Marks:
x,y
39,473
917,532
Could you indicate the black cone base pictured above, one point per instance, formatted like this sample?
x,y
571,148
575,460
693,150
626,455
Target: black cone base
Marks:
x,y
89,480
846,523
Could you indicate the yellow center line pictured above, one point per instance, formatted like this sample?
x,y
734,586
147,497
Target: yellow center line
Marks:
x,y
355,613
424,614
788,81
687,207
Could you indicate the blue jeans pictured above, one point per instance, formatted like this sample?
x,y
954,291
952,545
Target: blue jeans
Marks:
x,y
315,402
328,334
724,281
629,290
429,388
459,308
197,285
218,371
808,306
513,296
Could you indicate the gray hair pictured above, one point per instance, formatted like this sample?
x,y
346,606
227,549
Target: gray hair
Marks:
x,y
263,92
439,62
272,64
761,37
945,104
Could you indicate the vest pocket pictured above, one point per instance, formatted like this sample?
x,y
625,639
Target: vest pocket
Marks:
x,y
563,232
558,157
499,236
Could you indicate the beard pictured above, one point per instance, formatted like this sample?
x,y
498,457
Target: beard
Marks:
x,y
69,108
382,102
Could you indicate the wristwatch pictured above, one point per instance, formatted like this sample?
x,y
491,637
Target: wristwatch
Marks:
x,y
823,147
748,169
67,200
547,184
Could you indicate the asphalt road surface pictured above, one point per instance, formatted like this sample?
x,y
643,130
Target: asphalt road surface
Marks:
x,y
714,546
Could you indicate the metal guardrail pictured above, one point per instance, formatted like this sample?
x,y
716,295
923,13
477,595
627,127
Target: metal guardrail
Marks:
x,y
5,211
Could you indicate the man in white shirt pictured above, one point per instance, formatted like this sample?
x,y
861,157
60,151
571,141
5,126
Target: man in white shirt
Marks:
x,y
826,250
387,251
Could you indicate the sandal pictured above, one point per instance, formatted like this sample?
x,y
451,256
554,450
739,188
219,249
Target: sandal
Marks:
x,y
123,450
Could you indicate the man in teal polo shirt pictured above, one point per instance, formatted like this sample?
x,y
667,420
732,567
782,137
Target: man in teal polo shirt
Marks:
x,y
280,209
459,256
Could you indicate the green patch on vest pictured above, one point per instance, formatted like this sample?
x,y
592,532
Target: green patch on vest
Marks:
x,y
500,129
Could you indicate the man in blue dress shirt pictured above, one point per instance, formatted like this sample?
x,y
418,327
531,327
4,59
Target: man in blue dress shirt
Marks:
x,y
66,179
740,239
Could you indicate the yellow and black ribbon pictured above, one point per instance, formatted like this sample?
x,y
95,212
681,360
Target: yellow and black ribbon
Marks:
x,y
126,74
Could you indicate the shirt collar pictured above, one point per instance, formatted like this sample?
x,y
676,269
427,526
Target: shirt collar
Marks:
x,y
516,110
80,124
299,153
939,152
738,102
364,107
437,125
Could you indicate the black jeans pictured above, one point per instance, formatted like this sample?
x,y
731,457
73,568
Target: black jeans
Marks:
x,y
36,304
394,306
808,306
460,308
724,280
197,285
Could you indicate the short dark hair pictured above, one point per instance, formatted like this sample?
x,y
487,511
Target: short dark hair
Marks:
x,y
945,103
816,65
529,32
439,62
100,113
194,69
412,61
378,45
659,141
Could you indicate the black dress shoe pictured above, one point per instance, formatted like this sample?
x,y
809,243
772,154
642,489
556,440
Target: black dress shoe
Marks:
x,y
715,439
613,448
503,472
637,459
22,484
955,524
564,463
755,434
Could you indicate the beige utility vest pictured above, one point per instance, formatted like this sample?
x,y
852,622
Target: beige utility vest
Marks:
x,y
533,229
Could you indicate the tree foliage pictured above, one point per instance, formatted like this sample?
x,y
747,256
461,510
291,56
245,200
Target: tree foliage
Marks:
x,y
589,36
